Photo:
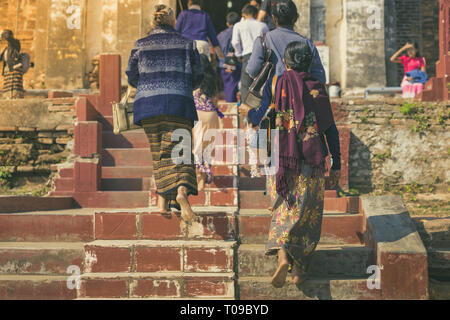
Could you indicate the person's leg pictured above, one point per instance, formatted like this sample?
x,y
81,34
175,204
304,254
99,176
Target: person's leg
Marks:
x,y
246,80
186,211
162,204
229,86
279,278
417,89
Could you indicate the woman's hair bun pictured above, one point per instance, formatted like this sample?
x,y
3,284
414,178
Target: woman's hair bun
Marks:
x,y
298,56
163,16
285,12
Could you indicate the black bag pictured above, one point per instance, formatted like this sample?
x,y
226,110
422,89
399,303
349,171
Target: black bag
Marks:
x,y
255,92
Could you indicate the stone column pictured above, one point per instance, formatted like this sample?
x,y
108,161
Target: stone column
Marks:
x,y
303,24
335,36
364,40
65,67
40,40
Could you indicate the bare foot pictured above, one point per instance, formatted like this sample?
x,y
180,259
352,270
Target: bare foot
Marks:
x,y
279,278
162,205
186,211
298,276
201,182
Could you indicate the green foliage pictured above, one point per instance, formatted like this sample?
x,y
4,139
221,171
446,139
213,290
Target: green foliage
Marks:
x,y
41,192
408,109
5,176
442,116
363,119
422,123
351,193
384,156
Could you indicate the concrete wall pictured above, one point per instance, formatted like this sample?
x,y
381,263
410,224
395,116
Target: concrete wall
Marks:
x,y
365,58
318,20
303,25
37,137
385,150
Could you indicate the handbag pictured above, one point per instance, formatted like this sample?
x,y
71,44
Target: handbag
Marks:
x,y
123,117
255,92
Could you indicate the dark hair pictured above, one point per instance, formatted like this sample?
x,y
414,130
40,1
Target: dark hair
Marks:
x,y
197,2
416,46
298,56
13,43
250,10
208,85
7,35
285,12
233,18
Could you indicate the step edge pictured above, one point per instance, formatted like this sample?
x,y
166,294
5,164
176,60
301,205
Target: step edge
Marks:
x,y
28,245
137,275
228,244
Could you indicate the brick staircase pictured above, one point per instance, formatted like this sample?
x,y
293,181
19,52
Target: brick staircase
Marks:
x,y
126,251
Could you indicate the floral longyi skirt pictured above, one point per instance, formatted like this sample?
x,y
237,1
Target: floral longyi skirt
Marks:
x,y
298,229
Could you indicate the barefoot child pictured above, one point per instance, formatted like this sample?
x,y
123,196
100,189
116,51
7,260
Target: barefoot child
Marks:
x,y
208,115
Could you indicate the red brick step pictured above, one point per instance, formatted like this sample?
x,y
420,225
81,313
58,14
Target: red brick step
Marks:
x,y
126,158
39,258
106,256
155,226
130,139
259,288
75,225
168,285
336,228
35,287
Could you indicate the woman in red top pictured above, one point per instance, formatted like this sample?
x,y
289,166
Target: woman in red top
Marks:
x,y
411,61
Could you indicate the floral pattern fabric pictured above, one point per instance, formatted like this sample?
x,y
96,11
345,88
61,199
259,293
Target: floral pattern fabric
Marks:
x,y
297,228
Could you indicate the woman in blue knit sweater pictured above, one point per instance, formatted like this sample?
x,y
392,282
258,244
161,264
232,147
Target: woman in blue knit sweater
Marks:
x,y
165,68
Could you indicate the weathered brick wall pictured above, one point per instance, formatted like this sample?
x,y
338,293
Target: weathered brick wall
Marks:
x,y
28,146
412,19
384,149
409,25
20,17
430,32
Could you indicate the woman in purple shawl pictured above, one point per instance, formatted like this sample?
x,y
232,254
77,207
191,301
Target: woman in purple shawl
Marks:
x,y
303,118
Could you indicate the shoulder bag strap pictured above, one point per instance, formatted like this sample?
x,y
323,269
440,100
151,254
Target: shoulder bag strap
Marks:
x,y
274,87
266,49
126,97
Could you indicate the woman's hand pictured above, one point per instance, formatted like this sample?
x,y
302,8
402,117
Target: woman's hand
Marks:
x,y
408,46
335,175
279,122
244,109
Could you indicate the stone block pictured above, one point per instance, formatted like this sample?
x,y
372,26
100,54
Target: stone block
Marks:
x,y
400,252
88,139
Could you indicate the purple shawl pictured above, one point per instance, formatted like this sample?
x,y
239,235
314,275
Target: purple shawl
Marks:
x,y
302,96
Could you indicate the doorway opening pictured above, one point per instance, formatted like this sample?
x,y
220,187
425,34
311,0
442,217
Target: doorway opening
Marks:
x,y
218,10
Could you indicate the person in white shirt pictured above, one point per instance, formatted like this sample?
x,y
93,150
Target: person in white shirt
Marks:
x,y
244,35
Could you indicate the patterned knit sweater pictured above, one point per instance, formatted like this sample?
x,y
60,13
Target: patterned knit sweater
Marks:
x,y
164,67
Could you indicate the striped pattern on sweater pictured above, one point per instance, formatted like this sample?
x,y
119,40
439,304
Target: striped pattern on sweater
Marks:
x,y
165,68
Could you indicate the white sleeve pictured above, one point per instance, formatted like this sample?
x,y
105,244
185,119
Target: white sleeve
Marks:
x,y
236,41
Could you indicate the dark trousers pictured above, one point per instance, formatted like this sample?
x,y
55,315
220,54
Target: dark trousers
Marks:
x,y
246,80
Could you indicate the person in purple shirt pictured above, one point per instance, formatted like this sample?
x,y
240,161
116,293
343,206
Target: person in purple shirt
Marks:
x,y
231,71
195,24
